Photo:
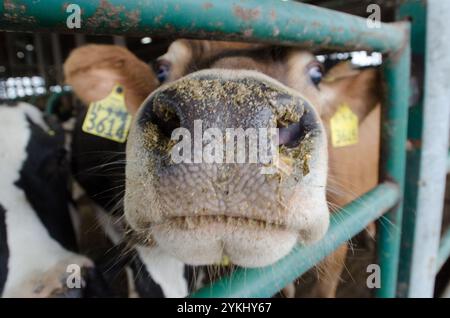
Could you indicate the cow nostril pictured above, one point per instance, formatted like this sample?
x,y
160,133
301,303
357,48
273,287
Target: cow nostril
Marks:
x,y
161,115
289,136
167,120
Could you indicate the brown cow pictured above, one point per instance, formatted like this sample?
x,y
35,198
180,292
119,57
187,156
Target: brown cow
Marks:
x,y
202,212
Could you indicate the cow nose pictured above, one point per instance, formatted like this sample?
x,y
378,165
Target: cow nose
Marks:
x,y
230,99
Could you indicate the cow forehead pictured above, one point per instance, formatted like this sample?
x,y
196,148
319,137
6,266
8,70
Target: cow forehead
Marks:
x,y
187,56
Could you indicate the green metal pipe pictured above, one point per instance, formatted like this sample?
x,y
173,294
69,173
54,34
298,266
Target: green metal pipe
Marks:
x,y
416,10
54,99
396,70
277,22
265,282
444,250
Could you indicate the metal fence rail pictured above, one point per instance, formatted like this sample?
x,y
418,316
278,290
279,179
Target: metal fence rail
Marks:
x,y
251,20
277,22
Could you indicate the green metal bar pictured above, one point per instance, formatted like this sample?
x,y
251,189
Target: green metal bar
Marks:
x,y
444,250
265,282
416,10
280,22
54,98
396,70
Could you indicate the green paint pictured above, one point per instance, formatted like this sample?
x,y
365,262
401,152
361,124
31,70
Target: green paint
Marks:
x,y
268,21
416,11
394,133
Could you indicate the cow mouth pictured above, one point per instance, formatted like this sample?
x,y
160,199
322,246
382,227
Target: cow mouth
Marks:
x,y
190,222
207,239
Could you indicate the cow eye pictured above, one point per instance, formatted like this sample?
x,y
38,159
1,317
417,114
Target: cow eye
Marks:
x,y
315,73
162,71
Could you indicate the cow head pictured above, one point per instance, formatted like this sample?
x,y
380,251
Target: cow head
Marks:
x,y
202,210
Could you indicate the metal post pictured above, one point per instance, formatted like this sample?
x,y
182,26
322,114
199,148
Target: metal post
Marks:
x,y
428,161
57,58
120,41
80,39
436,125
396,71
40,56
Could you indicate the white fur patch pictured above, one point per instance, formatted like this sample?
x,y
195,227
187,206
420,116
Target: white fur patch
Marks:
x,y
165,270
31,249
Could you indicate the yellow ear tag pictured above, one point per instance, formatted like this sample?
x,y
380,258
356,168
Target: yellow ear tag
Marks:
x,y
108,118
344,127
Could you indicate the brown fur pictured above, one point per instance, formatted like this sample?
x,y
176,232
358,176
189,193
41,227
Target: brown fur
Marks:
x,y
93,70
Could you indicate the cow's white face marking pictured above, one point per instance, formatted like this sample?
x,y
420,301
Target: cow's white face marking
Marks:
x,y
32,252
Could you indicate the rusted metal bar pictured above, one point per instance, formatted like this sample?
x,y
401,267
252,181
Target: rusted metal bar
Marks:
x,y
278,22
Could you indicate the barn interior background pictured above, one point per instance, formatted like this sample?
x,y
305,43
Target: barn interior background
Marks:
x,y
31,70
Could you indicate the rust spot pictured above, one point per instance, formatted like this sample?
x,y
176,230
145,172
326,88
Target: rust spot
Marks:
x,y
133,17
207,5
248,33
15,12
247,14
273,14
109,16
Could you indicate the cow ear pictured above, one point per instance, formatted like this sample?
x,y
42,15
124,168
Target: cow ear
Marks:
x,y
94,70
360,90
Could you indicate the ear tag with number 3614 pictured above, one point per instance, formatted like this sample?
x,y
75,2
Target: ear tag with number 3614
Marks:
x,y
108,118
344,127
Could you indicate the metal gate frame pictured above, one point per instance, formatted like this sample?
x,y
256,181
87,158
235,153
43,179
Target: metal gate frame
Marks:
x,y
275,22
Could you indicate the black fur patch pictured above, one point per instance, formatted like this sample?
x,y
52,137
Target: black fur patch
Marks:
x,y
44,180
145,285
98,165
4,250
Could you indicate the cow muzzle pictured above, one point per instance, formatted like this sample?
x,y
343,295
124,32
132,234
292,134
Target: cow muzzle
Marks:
x,y
227,163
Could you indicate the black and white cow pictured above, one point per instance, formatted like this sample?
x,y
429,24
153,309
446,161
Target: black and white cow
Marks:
x,y
98,165
37,239
94,72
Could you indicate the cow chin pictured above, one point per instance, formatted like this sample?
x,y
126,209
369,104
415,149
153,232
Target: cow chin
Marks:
x,y
210,243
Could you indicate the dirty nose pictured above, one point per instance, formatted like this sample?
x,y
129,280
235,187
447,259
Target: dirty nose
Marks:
x,y
225,99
